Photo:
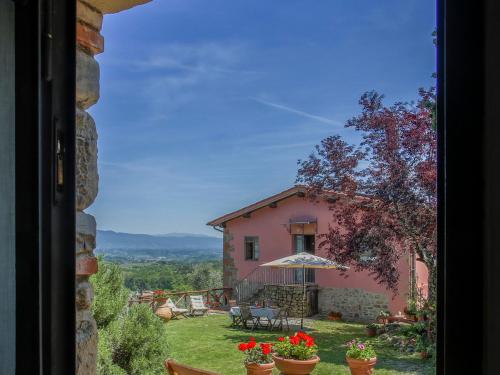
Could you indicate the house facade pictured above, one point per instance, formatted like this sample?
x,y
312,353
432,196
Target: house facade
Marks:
x,y
290,222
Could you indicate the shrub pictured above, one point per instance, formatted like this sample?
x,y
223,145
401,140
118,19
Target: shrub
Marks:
x,y
414,330
138,341
359,350
110,296
300,346
105,365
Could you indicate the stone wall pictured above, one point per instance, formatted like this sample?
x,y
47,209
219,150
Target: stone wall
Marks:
x,y
291,296
354,304
89,43
230,272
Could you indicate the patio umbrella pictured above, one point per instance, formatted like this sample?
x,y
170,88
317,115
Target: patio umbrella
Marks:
x,y
302,261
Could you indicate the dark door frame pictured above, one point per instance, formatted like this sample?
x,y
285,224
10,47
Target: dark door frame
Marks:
x,y
45,186
469,186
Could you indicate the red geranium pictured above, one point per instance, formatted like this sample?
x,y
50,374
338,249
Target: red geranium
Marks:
x,y
266,348
300,346
256,354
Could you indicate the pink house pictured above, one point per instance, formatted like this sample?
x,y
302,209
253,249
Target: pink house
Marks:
x,y
289,222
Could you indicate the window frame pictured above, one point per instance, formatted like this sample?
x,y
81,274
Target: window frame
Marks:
x,y
45,39
467,111
254,240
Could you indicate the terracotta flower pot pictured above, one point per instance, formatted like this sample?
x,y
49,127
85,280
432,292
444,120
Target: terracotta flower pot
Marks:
x,y
164,312
360,366
294,366
371,332
334,317
259,369
424,355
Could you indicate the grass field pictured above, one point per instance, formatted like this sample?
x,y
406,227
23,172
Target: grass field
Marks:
x,y
210,343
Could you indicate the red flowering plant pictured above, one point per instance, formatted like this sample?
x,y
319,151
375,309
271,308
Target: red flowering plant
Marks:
x,y
159,294
301,346
255,352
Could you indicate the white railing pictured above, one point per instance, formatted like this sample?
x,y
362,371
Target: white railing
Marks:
x,y
249,287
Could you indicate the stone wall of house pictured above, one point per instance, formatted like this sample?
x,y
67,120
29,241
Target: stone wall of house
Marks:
x,y
291,296
230,272
89,43
354,304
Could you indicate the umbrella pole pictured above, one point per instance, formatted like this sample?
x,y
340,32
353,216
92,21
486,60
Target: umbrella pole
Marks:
x,y
303,296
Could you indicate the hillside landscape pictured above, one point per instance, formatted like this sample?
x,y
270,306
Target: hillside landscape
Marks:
x,y
119,246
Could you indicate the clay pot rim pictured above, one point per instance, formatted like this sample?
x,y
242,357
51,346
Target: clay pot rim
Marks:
x,y
314,359
374,359
260,365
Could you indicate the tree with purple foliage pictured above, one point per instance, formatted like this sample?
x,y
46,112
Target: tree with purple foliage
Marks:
x,y
388,181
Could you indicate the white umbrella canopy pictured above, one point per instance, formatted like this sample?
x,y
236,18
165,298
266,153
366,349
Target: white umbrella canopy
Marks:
x,y
302,261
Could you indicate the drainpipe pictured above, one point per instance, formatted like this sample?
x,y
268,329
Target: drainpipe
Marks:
x,y
218,228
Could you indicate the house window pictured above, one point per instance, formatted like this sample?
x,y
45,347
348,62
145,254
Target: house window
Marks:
x,y
251,248
301,243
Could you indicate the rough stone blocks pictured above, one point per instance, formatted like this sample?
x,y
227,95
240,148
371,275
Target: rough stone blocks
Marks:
x,y
86,265
354,303
87,80
85,233
89,15
89,38
87,178
86,343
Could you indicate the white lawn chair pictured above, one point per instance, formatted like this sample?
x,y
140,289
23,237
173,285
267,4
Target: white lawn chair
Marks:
x,y
197,305
176,311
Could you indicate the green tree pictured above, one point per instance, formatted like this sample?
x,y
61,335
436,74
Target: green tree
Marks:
x,y
205,276
105,364
110,296
137,341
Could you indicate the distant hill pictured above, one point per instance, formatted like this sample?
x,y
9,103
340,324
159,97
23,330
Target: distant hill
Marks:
x,y
172,246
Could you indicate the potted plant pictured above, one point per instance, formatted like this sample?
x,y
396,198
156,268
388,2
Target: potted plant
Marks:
x,y
423,347
334,315
296,355
159,296
360,357
383,317
411,310
258,359
371,329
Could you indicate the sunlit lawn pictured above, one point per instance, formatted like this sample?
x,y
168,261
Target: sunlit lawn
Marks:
x,y
210,343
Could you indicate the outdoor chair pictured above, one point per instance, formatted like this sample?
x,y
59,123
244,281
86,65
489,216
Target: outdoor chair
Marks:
x,y
281,316
197,306
236,319
246,317
174,368
176,311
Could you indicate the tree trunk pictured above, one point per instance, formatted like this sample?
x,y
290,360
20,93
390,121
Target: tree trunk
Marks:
x,y
432,283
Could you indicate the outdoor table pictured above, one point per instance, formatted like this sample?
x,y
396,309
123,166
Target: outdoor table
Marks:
x,y
257,312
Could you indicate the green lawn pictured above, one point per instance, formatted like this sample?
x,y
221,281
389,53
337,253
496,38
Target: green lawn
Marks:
x,y
209,343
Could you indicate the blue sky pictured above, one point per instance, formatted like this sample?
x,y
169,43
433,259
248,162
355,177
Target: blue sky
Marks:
x,y
206,106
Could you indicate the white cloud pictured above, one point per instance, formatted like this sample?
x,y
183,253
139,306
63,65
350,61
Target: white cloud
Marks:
x,y
298,112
